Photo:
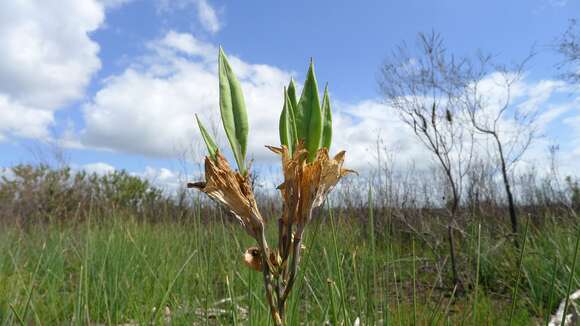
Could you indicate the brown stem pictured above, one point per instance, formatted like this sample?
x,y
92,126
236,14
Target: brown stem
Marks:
x,y
456,280
280,253
278,321
295,262
267,271
510,197
285,238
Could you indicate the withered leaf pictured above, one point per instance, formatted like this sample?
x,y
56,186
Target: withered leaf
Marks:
x,y
233,191
306,185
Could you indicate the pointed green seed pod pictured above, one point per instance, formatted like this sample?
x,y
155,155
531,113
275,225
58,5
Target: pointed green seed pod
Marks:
x,y
309,115
292,95
286,125
233,111
326,119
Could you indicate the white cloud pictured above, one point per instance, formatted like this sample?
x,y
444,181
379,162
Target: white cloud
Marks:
x,y
537,94
572,157
358,128
149,108
549,101
23,121
185,43
112,4
46,60
99,168
206,14
6,173
162,178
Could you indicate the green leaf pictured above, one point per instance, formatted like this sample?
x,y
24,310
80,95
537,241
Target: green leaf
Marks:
x,y
292,120
292,95
233,110
309,115
293,105
284,124
287,125
326,119
209,142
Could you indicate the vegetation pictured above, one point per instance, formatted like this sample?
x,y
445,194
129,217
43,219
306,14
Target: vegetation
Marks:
x,y
121,270
440,246
309,176
115,261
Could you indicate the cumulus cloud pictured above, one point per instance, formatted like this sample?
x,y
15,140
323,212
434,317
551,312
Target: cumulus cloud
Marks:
x,y
112,4
23,121
364,127
572,157
149,108
206,14
46,60
162,178
99,168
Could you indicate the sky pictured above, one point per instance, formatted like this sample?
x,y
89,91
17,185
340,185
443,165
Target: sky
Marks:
x,y
114,84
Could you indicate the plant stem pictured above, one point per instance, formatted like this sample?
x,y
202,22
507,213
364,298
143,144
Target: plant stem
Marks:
x,y
515,293
267,271
477,274
414,284
571,279
296,249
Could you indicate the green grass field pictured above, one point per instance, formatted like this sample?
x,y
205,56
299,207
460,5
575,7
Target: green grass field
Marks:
x,y
122,272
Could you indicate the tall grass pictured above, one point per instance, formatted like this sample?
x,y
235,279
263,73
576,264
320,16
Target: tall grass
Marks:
x,y
125,271
571,277
130,254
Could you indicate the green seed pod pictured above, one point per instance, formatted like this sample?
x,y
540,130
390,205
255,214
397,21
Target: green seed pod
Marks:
x,y
327,119
285,125
233,111
209,142
309,115
433,115
292,95
448,116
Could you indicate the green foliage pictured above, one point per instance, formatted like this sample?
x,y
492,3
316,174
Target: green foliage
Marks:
x,y
574,190
233,111
212,147
118,271
38,194
309,115
305,120
288,133
327,120
292,95
311,119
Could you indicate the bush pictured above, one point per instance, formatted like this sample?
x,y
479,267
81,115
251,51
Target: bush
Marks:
x,y
39,194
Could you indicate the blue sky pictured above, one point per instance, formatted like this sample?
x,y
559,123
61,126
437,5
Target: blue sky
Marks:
x,y
115,83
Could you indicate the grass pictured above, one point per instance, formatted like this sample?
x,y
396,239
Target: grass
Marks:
x,y
122,271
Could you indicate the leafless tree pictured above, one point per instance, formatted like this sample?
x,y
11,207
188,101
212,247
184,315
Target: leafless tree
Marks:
x,y
490,105
568,45
426,88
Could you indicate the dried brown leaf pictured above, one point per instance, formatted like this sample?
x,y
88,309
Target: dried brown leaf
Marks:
x,y
232,190
306,185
